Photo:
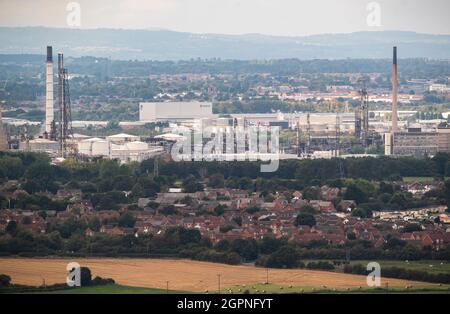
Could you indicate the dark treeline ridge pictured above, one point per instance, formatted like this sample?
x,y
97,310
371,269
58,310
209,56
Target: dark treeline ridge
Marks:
x,y
319,170
103,181
291,174
400,273
105,67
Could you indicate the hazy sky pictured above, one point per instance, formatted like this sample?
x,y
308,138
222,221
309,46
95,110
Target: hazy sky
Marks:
x,y
277,17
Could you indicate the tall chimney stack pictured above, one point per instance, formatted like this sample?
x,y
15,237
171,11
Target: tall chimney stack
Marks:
x,y
394,91
3,136
49,98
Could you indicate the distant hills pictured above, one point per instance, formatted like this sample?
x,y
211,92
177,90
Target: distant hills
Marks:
x,y
170,45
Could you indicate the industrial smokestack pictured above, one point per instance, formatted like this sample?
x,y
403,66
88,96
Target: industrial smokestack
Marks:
x,y
49,98
3,137
49,54
394,91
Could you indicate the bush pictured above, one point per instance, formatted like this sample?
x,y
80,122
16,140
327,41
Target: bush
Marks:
x,y
86,276
320,265
99,281
5,280
401,273
230,258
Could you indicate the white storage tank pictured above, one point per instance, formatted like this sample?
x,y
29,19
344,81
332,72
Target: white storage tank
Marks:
x,y
85,146
100,148
136,145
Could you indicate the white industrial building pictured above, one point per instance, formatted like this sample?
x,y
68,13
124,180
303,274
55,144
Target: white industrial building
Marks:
x,y
123,147
134,151
122,137
174,111
41,145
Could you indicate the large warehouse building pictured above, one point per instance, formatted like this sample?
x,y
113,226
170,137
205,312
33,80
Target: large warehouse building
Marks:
x,y
174,111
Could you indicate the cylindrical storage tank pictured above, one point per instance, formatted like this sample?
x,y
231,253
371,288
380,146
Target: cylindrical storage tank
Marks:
x,y
85,148
100,148
137,145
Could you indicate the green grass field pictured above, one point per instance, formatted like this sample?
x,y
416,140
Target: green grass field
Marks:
x,y
271,288
252,289
432,267
429,266
103,289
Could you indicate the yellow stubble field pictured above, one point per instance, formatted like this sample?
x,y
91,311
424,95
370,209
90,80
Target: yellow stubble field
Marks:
x,y
181,275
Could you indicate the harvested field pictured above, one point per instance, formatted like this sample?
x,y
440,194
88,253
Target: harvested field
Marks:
x,y
182,275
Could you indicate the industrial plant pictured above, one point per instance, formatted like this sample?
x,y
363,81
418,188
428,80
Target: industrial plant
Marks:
x,y
302,134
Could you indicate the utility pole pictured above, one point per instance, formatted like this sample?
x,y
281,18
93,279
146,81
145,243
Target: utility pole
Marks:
x,y
218,277
338,135
3,135
156,166
308,133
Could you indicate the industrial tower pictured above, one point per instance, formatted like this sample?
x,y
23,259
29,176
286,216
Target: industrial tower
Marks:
x,y
389,137
394,91
49,97
362,116
65,116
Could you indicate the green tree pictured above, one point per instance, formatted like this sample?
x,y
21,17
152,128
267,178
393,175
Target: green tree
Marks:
x,y
247,249
86,276
109,168
219,210
216,181
412,227
305,220
41,173
94,224
222,246
11,227
308,209
168,210
12,167
285,257
399,199
127,220
191,185
312,193
5,280
269,244
355,193
252,209
447,168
